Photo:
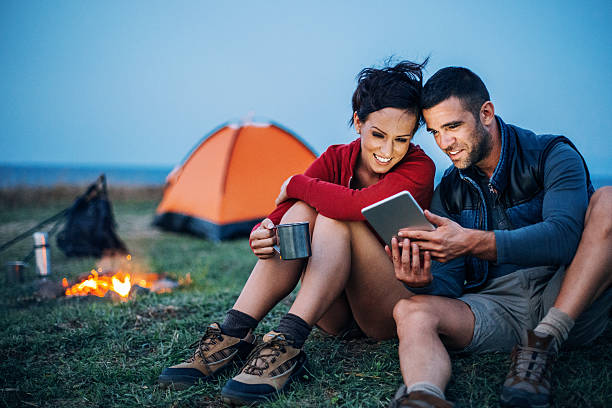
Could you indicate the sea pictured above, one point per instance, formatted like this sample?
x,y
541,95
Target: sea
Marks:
x,y
39,175
22,175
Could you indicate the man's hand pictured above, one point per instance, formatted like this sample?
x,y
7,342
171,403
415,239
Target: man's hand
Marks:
x,y
282,196
262,240
450,240
407,263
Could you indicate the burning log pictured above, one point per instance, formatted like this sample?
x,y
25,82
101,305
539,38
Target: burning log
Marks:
x,y
98,285
117,276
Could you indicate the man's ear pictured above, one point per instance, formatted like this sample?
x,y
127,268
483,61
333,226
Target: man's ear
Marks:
x,y
356,122
487,113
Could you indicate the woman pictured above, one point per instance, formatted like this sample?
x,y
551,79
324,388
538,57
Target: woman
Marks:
x,y
348,280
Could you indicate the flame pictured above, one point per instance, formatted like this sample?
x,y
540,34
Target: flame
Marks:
x,y
98,285
122,288
101,279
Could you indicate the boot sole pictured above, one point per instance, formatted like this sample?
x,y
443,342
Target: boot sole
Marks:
x,y
236,399
179,382
182,382
521,400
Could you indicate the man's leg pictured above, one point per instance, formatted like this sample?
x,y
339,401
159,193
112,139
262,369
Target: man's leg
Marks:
x,y
590,272
425,325
586,278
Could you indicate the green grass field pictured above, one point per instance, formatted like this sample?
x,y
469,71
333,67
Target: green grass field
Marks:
x,y
89,352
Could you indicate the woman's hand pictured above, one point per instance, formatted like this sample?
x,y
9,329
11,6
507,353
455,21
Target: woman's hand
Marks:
x,y
282,196
408,265
262,239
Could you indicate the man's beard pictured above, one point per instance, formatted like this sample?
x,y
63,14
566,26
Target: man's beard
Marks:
x,y
480,149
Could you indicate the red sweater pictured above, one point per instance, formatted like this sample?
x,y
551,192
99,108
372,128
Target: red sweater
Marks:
x,y
325,184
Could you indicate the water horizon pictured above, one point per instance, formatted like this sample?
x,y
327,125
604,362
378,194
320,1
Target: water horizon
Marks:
x,y
49,175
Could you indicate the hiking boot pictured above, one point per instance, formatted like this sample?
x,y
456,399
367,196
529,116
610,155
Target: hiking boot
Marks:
x,y
417,399
528,382
214,353
270,368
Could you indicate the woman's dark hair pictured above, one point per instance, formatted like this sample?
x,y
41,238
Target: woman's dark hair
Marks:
x,y
458,82
398,86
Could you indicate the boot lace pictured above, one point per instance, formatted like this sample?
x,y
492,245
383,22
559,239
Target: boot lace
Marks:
x,y
209,339
265,353
531,364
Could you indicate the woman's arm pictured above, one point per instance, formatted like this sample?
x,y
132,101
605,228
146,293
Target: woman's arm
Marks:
x,y
322,168
342,203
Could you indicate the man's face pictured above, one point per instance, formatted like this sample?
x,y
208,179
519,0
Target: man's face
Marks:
x,y
458,133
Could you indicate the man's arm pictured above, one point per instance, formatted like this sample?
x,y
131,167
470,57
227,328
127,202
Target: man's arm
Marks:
x,y
427,277
450,240
552,241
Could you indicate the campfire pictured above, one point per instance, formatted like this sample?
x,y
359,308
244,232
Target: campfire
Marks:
x,y
98,285
119,276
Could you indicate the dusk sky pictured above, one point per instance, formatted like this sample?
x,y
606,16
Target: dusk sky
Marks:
x,y
140,82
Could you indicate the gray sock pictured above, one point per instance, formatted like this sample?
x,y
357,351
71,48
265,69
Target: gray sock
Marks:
x,y
557,324
426,387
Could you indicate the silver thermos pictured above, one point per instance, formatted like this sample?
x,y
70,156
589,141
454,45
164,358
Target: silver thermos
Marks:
x,y
42,254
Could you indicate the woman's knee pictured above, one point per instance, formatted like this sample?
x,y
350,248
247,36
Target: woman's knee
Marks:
x,y
300,212
325,224
415,314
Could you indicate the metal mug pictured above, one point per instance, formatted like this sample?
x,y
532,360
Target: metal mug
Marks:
x,y
15,271
293,241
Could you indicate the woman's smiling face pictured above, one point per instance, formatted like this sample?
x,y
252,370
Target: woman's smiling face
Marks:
x,y
385,138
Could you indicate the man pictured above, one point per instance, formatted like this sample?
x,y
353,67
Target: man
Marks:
x,y
510,214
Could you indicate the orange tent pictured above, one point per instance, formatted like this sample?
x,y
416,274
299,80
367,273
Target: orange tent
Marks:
x,y
229,181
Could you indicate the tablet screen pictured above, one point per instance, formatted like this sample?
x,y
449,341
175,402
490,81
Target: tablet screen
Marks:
x,y
393,213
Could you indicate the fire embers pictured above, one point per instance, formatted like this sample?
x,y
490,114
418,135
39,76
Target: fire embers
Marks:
x,y
98,285
118,276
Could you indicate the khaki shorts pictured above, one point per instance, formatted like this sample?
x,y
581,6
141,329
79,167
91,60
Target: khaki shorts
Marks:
x,y
506,307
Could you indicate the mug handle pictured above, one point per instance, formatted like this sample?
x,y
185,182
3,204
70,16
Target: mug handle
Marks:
x,y
276,247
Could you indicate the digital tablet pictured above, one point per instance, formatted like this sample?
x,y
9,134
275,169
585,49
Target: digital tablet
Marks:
x,y
393,213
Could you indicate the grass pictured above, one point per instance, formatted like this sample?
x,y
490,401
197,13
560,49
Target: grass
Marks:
x,y
76,352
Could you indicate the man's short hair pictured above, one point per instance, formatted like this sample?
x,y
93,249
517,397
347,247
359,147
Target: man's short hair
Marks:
x,y
458,82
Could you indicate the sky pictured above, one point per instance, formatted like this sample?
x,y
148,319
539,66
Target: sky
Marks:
x,y
140,82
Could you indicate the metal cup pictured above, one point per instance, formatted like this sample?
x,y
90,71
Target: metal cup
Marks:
x,y
293,240
15,271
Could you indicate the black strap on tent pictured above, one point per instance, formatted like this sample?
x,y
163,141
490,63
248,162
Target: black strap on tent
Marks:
x,y
57,217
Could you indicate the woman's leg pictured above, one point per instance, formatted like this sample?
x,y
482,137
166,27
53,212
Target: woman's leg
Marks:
x,y
272,279
348,260
344,255
327,271
338,318
372,289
